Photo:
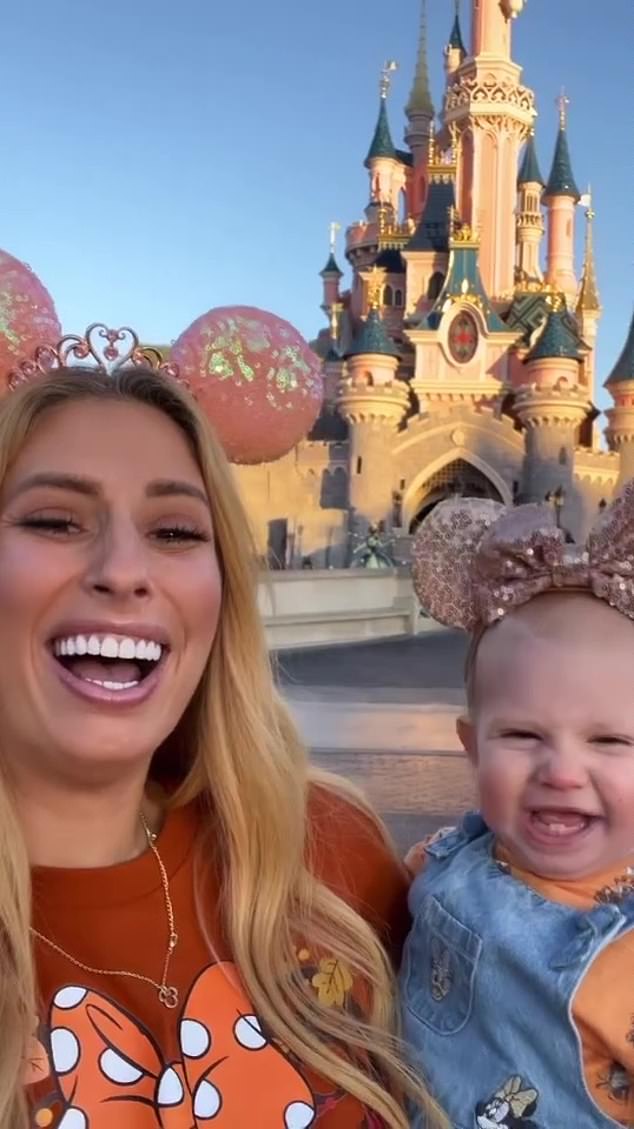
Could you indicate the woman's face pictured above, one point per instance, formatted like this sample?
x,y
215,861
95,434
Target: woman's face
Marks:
x,y
109,589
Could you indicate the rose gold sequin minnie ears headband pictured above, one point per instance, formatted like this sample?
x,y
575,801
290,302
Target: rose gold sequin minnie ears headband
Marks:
x,y
475,560
106,349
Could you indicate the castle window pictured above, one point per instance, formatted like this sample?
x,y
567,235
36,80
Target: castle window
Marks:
x,y
435,285
463,338
388,296
398,297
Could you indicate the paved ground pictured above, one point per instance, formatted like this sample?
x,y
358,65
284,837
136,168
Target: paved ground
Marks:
x,y
384,714
431,661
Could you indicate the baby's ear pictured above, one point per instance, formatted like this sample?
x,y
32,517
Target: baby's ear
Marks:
x,y
467,734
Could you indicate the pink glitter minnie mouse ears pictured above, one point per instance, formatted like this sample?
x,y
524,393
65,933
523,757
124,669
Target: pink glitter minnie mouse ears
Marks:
x,y
475,560
106,349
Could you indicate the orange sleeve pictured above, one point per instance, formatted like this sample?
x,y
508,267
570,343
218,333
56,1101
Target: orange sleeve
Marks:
x,y
354,859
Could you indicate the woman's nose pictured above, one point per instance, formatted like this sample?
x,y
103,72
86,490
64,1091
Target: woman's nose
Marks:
x,y
120,565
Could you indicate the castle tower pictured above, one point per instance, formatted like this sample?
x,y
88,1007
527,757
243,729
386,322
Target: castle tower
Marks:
x,y
420,108
552,407
588,302
561,196
427,252
455,51
530,223
331,275
387,172
373,402
491,113
620,430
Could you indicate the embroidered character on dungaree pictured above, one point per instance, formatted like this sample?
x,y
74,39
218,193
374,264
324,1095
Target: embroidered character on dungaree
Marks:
x,y
617,1082
511,1107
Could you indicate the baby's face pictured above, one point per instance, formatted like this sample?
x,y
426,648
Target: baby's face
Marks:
x,y
552,735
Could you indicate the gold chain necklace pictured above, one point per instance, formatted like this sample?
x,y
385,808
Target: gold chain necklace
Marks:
x,y
167,993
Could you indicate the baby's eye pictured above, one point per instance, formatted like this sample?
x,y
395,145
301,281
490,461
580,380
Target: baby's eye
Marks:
x,y
613,741
519,735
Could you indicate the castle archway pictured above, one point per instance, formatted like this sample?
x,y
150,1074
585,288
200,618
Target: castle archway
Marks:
x,y
457,476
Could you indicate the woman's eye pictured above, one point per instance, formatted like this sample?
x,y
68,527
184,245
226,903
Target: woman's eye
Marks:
x,y
177,534
50,524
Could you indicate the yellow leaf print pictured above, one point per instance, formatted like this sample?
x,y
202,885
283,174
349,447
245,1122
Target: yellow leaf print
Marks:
x,y
332,982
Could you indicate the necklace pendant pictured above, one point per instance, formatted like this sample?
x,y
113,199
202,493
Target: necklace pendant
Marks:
x,y
168,996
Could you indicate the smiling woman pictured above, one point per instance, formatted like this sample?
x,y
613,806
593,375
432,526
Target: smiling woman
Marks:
x,y
191,923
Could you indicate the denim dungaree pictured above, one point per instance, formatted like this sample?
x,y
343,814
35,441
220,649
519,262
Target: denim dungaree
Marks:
x,y
489,974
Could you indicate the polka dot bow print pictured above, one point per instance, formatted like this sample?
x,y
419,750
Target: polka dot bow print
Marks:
x,y
105,1066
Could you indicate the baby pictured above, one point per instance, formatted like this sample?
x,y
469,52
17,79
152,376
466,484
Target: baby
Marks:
x,y
518,977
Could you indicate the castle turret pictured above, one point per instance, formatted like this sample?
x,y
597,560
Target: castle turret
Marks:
x,y
373,402
420,108
331,276
530,223
489,113
560,196
455,51
427,252
387,172
491,28
588,308
620,429
552,408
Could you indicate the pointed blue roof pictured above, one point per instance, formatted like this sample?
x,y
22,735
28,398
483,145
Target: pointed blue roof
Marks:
x,y
624,367
529,172
382,144
561,181
455,39
373,338
556,340
432,233
331,267
463,282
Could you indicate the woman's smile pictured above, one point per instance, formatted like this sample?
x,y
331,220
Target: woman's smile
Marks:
x,y
110,569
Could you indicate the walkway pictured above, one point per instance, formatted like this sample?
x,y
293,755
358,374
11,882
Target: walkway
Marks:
x,y
384,714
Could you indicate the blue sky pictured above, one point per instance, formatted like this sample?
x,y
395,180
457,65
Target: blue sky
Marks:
x,y
164,157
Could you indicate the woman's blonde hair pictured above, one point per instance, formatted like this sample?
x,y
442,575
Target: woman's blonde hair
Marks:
x,y
237,748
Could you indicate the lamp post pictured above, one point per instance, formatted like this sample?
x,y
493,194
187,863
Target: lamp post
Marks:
x,y
558,499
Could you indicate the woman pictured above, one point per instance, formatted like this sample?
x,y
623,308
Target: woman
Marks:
x,y
188,917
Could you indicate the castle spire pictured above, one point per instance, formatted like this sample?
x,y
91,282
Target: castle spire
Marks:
x,y
561,181
420,108
420,97
588,300
382,144
529,169
456,42
623,371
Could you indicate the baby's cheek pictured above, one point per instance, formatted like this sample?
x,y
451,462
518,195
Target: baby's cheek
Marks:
x,y
500,785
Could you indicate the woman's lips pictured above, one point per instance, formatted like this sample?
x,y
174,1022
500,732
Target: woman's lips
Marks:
x,y
95,692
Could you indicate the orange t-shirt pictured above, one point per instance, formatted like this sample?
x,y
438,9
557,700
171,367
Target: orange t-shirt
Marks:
x,y
603,1006
107,1053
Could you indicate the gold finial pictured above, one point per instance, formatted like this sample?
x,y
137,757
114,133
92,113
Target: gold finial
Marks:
x,y
588,296
375,288
386,77
334,230
562,104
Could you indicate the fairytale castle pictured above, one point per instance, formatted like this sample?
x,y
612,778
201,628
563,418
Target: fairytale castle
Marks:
x,y
462,356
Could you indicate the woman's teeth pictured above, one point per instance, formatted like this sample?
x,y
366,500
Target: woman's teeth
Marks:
x,y
108,647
